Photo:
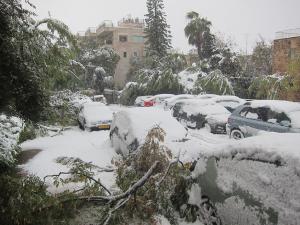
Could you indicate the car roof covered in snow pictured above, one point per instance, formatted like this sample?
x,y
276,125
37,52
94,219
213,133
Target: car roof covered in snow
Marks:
x,y
276,105
162,96
137,122
206,96
203,106
95,111
228,98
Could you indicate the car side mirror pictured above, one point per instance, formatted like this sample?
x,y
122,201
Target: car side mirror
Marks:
x,y
285,123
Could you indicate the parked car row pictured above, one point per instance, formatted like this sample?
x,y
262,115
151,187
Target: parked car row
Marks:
x,y
237,117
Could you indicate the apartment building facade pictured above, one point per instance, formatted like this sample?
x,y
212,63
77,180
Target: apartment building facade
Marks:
x,y
286,48
127,39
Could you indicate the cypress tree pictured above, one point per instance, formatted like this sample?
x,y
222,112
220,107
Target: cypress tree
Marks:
x,y
157,30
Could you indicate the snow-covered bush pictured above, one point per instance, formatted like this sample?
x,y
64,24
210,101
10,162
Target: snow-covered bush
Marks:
x,y
151,82
64,107
10,128
268,87
129,93
213,83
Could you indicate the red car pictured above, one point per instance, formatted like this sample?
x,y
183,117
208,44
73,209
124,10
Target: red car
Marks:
x,y
149,102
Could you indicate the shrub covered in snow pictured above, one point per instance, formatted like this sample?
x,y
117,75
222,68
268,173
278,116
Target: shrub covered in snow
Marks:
x,y
64,107
213,83
268,87
10,128
151,82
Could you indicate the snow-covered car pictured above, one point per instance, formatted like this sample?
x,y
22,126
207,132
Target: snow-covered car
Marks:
x,y
230,102
95,116
206,96
156,100
130,127
170,102
139,101
264,115
99,98
196,114
253,180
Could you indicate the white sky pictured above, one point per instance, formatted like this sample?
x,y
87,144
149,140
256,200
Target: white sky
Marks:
x,y
238,20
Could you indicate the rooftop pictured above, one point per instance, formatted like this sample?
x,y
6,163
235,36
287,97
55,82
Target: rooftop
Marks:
x,y
287,33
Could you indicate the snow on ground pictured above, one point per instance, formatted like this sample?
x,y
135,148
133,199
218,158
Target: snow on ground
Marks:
x,y
94,147
91,147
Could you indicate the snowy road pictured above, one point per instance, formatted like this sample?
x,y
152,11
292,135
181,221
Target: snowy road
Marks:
x,y
91,147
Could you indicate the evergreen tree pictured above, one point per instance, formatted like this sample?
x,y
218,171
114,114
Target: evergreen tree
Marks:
x,y
157,30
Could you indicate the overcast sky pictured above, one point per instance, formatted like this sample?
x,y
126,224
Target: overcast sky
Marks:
x,y
239,20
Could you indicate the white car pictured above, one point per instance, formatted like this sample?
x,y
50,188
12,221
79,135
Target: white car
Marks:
x,y
170,102
95,116
131,126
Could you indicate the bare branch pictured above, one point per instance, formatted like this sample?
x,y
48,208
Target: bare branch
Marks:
x,y
173,162
118,205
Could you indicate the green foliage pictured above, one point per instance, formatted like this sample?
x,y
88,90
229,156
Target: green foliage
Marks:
x,y
151,82
175,62
100,64
165,82
28,133
214,54
214,83
268,87
20,80
25,201
293,92
35,57
261,58
151,199
130,93
104,57
157,30
198,33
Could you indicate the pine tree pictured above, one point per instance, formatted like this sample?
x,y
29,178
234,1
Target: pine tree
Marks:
x,y
157,30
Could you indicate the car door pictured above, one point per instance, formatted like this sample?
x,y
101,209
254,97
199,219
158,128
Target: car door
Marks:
x,y
253,121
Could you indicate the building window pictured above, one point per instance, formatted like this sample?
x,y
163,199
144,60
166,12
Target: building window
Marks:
x,y
108,42
135,54
123,38
125,54
136,38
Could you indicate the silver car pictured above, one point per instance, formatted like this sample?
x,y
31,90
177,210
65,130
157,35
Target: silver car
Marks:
x,y
267,115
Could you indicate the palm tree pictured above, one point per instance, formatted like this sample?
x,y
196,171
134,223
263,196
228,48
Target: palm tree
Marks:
x,y
198,33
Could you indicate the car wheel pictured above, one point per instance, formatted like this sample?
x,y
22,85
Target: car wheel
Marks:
x,y
207,127
236,134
